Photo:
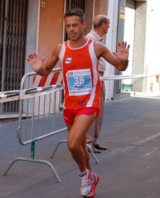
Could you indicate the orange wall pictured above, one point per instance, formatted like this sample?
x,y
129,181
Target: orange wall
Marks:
x,y
50,26
101,7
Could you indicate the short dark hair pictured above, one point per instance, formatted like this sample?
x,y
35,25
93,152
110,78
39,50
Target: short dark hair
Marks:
x,y
98,24
75,12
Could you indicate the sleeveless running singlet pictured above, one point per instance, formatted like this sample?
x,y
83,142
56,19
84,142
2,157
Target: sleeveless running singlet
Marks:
x,y
80,76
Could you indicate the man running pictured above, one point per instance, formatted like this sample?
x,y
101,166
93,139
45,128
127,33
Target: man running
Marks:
x,y
79,61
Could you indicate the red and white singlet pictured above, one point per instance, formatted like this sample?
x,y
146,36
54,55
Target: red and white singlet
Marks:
x,y
80,76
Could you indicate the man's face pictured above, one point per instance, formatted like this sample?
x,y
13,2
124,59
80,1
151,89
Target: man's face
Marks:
x,y
74,27
106,27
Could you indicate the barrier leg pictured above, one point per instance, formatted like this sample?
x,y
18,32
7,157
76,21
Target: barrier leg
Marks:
x,y
36,161
88,146
92,153
54,151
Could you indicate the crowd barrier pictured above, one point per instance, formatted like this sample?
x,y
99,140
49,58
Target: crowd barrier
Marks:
x,y
43,116
43,105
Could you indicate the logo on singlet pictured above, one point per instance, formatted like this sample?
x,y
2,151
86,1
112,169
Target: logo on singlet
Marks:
x,y
82,102
68,60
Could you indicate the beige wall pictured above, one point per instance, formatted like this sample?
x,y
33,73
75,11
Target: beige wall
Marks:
x,y
139,46
50,26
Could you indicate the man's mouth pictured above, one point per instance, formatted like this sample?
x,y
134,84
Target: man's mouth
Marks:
x,y
72,34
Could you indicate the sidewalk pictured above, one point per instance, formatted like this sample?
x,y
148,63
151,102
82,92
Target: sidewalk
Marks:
x,y
130,168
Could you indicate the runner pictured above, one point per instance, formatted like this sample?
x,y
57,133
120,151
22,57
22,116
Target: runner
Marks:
x,y
79,61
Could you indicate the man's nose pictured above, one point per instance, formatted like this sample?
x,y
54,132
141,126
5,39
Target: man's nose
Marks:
x,y
71,28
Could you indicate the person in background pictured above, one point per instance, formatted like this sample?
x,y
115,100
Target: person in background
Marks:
x,y
101,24
79,58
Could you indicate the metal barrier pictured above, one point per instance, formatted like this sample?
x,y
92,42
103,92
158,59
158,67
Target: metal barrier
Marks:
x,y
42,107
37,125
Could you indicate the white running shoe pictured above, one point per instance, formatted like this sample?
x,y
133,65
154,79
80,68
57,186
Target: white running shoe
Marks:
x,y
87,188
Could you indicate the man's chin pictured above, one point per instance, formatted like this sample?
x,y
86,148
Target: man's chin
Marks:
x,y
73,39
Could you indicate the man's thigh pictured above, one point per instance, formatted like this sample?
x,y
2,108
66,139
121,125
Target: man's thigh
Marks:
x,y
79,128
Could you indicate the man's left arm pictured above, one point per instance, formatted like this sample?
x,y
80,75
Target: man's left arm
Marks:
x,y
119,60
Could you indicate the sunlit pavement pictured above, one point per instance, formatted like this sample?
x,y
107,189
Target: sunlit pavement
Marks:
x,y
130,168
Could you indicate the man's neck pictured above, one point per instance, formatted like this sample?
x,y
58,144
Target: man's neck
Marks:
x,y
77,43
99,32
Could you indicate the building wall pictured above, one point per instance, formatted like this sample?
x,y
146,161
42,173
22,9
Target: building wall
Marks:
x,y
93,8
89,14
101,7
146,38
32,29
120,37
139,45
152,45
129,30
50,26
111,43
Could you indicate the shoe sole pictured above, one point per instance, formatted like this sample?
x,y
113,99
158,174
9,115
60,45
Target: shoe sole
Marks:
x,y
90,196
95,184
97,181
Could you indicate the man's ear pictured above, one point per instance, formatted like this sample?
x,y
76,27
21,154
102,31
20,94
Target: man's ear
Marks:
x,y
103,24
84,24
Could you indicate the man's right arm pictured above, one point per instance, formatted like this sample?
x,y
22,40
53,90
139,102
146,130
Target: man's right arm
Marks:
x,y
39,66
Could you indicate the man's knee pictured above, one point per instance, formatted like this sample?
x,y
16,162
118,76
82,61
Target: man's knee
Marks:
x,y
73,147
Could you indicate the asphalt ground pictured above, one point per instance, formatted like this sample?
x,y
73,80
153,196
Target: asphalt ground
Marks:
x,y
130,168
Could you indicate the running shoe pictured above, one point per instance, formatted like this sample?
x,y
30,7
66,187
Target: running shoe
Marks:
x,y
95,179
87,189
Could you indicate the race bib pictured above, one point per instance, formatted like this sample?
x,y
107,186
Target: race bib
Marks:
x,y
79,82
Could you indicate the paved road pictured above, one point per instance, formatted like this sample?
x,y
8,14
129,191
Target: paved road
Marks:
x,y
130,168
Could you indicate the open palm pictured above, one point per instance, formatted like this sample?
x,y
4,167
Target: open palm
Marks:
x,y
35,62
123,51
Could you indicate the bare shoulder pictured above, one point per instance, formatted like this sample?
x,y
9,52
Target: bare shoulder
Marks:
x,y
99,48
57,50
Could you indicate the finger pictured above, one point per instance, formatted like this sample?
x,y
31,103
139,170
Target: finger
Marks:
x,y
119,44
124,44
32,56
128,47
29,57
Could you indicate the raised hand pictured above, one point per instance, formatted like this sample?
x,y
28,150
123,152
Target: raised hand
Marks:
x,y
35,62
123,51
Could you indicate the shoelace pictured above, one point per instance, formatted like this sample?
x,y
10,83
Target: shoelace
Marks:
x,y
84,181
